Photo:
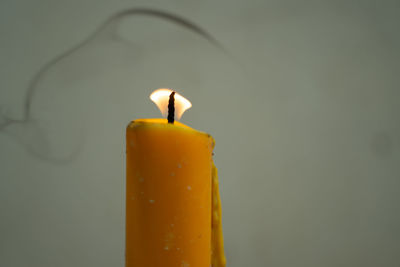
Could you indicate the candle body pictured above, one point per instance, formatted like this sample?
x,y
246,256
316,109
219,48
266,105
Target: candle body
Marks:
x,y
168,195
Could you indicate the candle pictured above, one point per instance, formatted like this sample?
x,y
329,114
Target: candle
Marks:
x,y
173,210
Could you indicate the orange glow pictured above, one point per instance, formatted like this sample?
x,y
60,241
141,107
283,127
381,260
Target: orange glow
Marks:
x,y
161,97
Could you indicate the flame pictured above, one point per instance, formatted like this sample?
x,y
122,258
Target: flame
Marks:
x,y
161,97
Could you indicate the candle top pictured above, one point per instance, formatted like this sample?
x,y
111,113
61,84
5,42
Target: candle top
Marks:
x,y
153,121
159,123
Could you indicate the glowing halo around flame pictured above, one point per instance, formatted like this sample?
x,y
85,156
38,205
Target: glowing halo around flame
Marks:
x,y
161,97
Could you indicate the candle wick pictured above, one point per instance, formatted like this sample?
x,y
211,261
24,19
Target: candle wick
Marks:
x,y
171,108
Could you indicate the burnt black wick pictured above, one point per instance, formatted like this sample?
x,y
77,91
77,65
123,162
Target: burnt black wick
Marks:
x,y
171,108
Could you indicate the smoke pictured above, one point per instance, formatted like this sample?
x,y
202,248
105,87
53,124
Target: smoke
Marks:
x,y
54,110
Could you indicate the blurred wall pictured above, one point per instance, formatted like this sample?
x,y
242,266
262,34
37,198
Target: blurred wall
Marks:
x,y
304,108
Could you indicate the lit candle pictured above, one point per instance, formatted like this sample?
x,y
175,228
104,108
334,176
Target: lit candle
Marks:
x,y
173,210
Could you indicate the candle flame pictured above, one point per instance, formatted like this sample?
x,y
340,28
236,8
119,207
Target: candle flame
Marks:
x,y
161,97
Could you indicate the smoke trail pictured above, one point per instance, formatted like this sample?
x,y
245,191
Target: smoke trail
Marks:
x,y
32,131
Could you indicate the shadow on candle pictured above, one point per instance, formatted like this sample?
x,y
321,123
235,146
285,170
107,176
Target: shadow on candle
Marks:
x,y
52,125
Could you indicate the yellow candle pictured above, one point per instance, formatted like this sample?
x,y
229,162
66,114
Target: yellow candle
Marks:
x,y
172,198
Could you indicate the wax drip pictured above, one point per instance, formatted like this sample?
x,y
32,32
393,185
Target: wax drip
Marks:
x,y
171,108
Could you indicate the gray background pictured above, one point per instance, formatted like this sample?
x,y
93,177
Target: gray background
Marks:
x,y
304,109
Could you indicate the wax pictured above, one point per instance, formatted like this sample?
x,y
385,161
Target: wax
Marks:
x,y
170,197
217,240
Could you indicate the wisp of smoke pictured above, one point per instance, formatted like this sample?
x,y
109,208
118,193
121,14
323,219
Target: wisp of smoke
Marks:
x,y
36,127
